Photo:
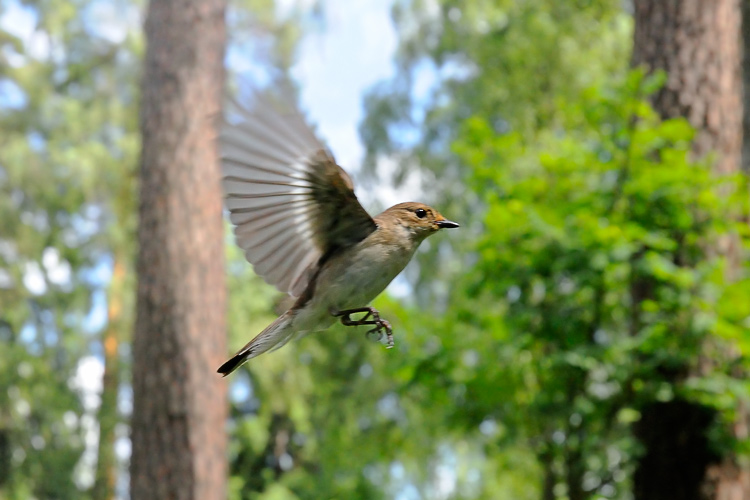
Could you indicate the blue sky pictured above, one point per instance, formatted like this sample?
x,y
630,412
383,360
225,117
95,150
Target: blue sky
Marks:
x,y
338,64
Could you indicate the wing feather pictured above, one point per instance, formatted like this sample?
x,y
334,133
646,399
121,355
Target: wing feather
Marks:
x,y
256,218
244,204
289,202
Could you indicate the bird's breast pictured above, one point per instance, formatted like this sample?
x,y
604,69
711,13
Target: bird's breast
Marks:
x,y
358,275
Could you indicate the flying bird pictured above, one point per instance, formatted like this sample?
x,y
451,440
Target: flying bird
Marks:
x,y
299,223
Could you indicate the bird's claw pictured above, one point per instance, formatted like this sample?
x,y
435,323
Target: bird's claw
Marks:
x,y
371,317
379,327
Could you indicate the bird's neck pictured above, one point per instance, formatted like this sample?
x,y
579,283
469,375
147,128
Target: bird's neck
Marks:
x,y
394,233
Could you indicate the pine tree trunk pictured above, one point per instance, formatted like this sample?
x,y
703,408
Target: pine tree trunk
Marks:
x,y
179,442
697,44
106,465
746,85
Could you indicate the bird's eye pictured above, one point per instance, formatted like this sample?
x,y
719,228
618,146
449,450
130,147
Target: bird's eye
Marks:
x,y
421,213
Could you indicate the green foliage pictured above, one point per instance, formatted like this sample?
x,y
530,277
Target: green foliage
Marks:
x,y
587,283
597,248
583,285
523,67
66,149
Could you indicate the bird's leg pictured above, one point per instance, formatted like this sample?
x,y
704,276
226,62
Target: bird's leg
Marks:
x,y
384,325
346,319
379,324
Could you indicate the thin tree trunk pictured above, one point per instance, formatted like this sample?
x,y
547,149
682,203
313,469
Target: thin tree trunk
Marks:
x,y
550,478
106,466
575,467
697,44
179,442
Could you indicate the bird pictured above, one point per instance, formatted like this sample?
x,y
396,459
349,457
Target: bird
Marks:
x,y
297,220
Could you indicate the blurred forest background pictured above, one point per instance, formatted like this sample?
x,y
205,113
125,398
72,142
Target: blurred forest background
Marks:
x,y
584,335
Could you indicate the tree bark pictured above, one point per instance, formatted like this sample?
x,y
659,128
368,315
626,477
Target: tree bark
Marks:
x,y
179,442
746,85
697,44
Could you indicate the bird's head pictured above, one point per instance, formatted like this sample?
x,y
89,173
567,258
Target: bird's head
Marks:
x,y
418,219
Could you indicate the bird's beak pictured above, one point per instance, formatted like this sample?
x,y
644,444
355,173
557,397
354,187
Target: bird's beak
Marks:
x,y
446,224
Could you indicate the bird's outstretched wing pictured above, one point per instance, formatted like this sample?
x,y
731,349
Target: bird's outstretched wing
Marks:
x,y
289,202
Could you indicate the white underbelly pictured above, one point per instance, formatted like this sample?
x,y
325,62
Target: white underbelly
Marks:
x,y
350,283
363,279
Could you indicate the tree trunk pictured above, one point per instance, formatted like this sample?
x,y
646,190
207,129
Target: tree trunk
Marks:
x,y
179,442
746,85
550,478
697,44
106,465
677,453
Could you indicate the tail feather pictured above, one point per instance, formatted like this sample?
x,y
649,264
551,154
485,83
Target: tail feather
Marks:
x,y
274,336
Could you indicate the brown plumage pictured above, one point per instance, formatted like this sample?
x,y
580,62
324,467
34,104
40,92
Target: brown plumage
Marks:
x,y
300,224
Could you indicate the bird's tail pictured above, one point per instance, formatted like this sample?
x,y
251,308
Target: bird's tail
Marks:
x,y
274,336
